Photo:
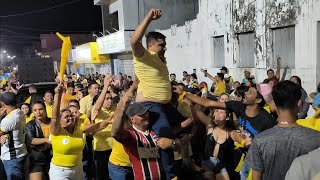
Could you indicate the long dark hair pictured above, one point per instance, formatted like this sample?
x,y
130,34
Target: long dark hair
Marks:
x,y
298,79
26,104
229,122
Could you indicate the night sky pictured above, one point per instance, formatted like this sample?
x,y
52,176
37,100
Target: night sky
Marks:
x,y
79,16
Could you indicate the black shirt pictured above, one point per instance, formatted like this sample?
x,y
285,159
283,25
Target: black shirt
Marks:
x,y
250,126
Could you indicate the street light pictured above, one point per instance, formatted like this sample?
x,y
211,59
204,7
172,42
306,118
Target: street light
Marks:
x,y
4,51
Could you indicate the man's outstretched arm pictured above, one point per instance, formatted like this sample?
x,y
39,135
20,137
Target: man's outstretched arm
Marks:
x,y
136,44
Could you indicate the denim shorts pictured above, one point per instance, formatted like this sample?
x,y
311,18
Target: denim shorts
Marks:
x,y
213,164
71,173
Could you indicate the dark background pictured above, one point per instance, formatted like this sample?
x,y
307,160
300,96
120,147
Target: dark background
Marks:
x,y
78,16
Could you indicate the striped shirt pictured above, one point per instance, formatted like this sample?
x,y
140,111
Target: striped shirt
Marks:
x,y
143,154
13,126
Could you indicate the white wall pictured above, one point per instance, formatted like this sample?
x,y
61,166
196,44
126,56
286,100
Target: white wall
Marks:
x,y
190,46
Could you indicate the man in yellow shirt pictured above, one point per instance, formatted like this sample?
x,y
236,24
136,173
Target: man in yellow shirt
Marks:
x,y
86,102
154,89
102,140
68,95
48,101
219,84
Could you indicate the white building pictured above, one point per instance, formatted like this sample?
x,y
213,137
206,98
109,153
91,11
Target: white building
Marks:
x,y
239,34
121,17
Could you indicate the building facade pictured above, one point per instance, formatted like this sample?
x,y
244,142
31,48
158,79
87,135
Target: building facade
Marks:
x,y
249,35
240,34
121,17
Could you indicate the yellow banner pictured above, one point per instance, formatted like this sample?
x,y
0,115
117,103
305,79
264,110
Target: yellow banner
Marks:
x,y
95,57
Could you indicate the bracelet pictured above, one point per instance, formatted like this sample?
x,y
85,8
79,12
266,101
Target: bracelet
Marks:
x,y
243,142
183,94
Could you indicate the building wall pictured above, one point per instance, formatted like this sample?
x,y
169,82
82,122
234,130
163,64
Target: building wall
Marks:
x,y
191,45
51,42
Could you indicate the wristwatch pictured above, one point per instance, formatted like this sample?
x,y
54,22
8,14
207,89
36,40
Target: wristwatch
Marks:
x,y
174,145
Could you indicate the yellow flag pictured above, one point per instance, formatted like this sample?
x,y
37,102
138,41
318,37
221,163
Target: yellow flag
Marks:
x,y
66,45
28,100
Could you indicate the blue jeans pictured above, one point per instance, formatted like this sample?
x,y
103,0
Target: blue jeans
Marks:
x,y
120,172
86,166
87,160
15,168
162,117
244,172
101,164
2,171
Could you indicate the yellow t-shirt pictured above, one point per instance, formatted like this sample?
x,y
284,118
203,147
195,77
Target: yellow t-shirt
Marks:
x,y
49,110
65,100
154,76
83,120
183,108
67,148
102,140
85,104
220,88
231,80
46,131
118,156
28,119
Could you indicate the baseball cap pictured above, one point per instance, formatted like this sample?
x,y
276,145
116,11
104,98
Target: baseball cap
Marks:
x,y
8,98
224,68
226,76
220,75
136,109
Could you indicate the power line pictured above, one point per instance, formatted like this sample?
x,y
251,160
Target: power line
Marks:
x,y
32,37
39,10
22,42
1,29
35,29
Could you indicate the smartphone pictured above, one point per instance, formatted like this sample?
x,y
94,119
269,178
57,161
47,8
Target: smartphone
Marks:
x,y
195,71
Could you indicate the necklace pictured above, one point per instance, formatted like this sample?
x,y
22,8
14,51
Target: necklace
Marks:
x,y
285,123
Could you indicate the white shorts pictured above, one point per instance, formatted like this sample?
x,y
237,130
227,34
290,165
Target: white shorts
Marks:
x,y
61,173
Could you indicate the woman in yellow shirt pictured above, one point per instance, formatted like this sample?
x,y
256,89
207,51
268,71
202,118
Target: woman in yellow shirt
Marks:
x,y
68,140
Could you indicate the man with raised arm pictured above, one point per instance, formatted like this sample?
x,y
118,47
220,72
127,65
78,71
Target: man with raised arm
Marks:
x,y
139,141
154,90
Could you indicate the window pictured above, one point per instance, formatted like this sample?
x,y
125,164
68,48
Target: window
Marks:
x,y
246,50
284,45
110,20
218,50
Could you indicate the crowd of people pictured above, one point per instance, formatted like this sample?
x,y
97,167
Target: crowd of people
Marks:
x,y
159,128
